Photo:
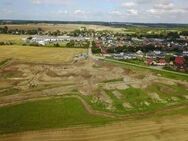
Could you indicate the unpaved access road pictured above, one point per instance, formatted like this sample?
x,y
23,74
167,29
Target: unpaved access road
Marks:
x,y
166,129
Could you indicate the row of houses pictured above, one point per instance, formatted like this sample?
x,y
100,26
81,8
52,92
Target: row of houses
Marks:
x,y
124,56
154,58
178,63
116,42
43,40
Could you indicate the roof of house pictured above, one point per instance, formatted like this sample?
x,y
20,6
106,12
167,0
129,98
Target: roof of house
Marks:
x,y
149,61
162,61
179,60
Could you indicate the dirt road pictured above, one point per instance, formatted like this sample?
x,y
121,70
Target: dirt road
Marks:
x,y
167,129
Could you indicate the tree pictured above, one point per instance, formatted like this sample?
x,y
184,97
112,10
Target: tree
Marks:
x,y
5,29
173,35
70,44
56,45
168,58
96,50
110,50
93,44
184,33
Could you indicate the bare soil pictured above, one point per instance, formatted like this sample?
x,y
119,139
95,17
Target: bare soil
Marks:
x,y
81,77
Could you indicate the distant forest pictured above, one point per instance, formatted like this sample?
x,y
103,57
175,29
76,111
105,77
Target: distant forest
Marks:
x,y
112,24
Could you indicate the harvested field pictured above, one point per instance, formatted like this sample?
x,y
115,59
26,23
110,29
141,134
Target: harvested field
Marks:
x,y
39,54
61,27
11,38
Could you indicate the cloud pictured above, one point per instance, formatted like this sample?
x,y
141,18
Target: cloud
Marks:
x,y
115,13
128,4
167,8
6,11
36,1
148,2
164,6
39,2
65,12
79,12
132,12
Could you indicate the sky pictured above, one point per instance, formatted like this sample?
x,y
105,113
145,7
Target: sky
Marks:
x,y
141,11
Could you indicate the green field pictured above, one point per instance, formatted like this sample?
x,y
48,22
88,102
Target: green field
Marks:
x,y
53,113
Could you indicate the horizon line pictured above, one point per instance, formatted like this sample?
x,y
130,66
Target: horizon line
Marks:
x,y
74,21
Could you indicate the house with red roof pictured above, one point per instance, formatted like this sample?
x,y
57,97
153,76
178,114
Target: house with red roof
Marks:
x,y
180,61
161,62
149,61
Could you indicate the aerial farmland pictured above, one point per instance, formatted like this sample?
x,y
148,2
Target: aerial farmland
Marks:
x,y
93,70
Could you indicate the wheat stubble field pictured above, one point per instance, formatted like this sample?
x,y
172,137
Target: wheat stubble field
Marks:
x,y
61,27
39,55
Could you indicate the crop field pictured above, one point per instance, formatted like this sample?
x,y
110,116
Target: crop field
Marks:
x,y
39,55
42,90
56,113
62,27
11,38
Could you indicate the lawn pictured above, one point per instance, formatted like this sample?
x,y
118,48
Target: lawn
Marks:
x,y
44,114
39,54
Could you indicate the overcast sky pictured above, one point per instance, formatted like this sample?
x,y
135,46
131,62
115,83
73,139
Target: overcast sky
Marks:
x,y
153,11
